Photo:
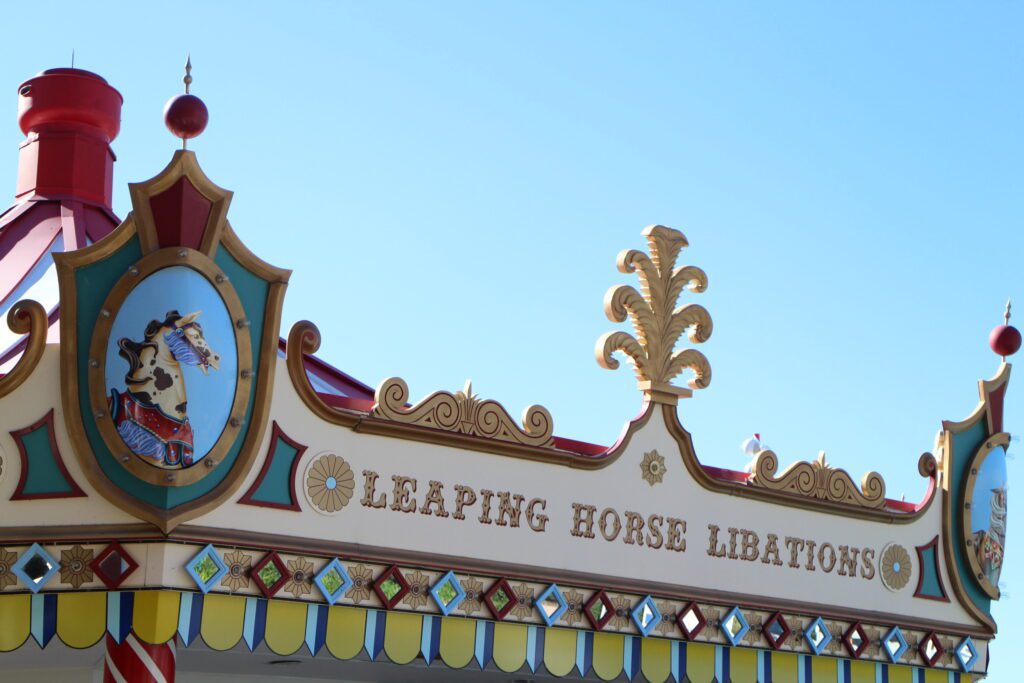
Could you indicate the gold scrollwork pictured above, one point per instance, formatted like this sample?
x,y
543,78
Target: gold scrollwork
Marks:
x,y
819,480
25,317
463,412
656,319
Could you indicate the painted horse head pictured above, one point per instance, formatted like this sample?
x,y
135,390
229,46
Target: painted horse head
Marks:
x,y
152,415
154,374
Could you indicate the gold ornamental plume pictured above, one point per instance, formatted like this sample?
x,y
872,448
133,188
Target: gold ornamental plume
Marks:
x,y
657,320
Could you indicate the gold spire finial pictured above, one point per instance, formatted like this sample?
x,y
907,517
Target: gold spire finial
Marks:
x,y
188,72
1006,314
656,319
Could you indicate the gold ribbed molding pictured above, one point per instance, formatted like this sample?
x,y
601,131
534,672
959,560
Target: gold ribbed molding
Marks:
x,y
818,479
463,412
657,321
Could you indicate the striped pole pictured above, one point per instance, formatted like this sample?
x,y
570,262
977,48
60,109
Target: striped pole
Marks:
x,y
133,661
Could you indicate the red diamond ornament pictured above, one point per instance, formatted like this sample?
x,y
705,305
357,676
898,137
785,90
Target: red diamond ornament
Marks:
x,y
492,592
691,621
113,565
599,610
390,574
776,630
936,649
255,573
856,640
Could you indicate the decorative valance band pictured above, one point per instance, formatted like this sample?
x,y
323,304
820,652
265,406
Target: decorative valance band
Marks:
x,y
81,620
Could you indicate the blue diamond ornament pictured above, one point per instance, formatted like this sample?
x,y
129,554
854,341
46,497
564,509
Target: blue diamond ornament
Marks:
x,y
206,568
551,604
333,581
646,615
35,567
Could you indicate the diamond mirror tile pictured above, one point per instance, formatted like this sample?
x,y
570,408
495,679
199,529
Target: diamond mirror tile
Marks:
x,y
894,644
966,654
206,568
447,593
333,581
646,615
551,605
817,635
35,567
734,626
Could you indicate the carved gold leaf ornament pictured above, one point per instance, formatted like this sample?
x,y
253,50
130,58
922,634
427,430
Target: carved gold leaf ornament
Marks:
x,y
463,412
818,479
657,321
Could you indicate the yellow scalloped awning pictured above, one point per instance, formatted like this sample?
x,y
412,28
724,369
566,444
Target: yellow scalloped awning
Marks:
x,y
80,620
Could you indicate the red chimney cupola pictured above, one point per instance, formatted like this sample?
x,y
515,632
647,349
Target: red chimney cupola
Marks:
x,y
70,117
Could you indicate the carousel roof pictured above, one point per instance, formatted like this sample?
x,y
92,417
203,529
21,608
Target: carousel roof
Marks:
x,y
63,202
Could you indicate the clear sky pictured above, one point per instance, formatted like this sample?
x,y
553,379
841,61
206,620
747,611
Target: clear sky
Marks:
x,y
451,183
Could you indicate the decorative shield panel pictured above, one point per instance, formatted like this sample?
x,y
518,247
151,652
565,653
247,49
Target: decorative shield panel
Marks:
x,y
169,333
984,515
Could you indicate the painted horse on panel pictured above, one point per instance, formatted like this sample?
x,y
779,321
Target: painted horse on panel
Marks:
x,y
152,414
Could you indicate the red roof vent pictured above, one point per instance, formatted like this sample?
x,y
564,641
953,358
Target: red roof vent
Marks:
x,y
70,117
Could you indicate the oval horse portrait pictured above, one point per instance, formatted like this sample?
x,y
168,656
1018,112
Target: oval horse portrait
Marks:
x,y
170,372
985,507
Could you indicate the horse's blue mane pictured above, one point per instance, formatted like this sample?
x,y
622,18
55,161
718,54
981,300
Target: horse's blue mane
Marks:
x,y
180,347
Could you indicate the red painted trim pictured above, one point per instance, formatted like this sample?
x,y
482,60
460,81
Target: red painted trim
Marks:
x,y
340,380
363,405
19,491
995,407
934,545
248,499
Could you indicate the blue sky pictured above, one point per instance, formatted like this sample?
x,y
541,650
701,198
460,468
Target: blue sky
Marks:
x,y
452,181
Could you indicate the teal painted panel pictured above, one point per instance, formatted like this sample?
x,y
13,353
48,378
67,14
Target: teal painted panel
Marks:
x,y
43,477
276,487
965,445
930,585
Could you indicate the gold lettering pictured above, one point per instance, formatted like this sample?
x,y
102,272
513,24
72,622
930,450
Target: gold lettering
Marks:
x,y
676,530
654,537
795,545
867,567
536,520
463,496
485,506
583,520
732,543
750,543
435,498
810,555
715,549
369,488
827,565
402,500
771,551
848,560
603,524
634,529
507,514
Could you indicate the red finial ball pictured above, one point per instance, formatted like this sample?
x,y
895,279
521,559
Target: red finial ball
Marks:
x,y
186,116
1005,340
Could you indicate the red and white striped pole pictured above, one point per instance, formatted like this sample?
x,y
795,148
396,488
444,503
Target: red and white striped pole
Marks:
x,y
133,661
